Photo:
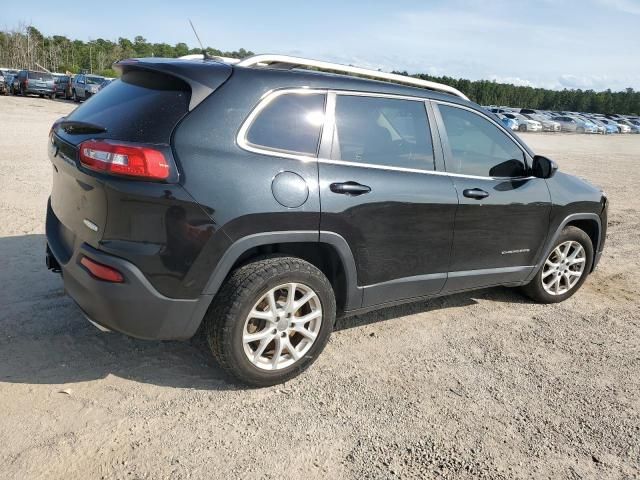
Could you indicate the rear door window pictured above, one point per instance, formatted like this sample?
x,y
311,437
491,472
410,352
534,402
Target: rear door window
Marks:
x,y
382,131
45,77
478,147
289,123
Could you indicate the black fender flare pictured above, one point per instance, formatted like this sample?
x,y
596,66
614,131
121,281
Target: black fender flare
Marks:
x,y
553,237
237,248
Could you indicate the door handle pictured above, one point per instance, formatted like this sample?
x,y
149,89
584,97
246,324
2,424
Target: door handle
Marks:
x,y
476,193
349,188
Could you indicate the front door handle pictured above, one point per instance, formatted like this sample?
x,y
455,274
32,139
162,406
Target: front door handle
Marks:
x,y
349,188
476,193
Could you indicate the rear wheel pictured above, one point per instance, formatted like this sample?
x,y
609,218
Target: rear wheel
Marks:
x,y
564,270
270,320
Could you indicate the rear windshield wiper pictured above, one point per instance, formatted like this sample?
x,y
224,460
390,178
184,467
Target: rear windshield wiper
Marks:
x,y
74,127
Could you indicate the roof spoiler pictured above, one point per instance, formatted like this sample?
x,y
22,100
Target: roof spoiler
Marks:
x,y
202,77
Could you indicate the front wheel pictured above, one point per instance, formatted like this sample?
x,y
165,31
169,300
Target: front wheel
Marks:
x,y
564,270
271,320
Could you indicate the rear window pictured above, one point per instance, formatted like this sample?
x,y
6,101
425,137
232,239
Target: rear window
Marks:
x,y
40,76
289,123
139,107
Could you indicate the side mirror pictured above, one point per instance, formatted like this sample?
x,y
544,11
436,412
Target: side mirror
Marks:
x,y
543,167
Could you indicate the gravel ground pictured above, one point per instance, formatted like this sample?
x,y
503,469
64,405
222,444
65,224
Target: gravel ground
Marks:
x,y
485,384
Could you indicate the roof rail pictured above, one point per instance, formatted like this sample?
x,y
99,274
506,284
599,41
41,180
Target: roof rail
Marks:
x,y
286,61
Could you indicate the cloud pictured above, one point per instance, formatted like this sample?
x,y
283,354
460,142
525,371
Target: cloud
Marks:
x,y
626,6
517,81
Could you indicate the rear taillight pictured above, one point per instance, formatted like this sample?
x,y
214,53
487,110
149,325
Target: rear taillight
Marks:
x,y
101,272
128,160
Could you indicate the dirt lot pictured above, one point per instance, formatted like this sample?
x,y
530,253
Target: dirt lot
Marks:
x,y
475,385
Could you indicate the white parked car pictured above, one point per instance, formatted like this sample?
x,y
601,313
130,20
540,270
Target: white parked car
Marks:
x,y
548,125
525,124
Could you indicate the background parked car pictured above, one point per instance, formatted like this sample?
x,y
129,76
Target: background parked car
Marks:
x,y
30,82
575,124
508,122
620,126
608,128
548,125
633,128
106,82
62,84
525,124
84,86
6,77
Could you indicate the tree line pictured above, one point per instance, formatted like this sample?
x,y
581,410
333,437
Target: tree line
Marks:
x,y
487,92
27,47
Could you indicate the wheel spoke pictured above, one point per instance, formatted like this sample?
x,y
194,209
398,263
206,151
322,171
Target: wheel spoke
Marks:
x,y
260,350
547,273
291,297
277,353
306,318
306,297
291,349
254,337
259,314
271,298
305,332
576,252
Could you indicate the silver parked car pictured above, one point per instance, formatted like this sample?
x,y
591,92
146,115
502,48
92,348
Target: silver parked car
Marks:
x,y
85,85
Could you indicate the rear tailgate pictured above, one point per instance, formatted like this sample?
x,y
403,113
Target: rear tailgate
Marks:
x,y
143,107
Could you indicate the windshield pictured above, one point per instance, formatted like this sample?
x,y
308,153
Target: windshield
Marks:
x,y
45,77
94,80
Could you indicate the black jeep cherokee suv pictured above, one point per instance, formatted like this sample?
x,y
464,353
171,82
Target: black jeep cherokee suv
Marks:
x,y
258,200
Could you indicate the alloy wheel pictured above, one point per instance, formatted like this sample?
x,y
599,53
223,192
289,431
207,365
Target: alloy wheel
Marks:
x,y
563,268
282,326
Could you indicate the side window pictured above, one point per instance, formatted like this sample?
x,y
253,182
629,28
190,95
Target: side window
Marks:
x,y
478,147
291,123
382,131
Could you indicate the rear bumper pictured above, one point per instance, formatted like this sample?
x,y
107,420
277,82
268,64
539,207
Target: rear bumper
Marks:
x,y
133,307
39,91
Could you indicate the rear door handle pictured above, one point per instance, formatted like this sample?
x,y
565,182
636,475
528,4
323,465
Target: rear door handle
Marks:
x,y
349,188
476,193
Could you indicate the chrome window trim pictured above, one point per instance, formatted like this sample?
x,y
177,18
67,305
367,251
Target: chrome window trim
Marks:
x,y
331,116
486,117
265,100
330,120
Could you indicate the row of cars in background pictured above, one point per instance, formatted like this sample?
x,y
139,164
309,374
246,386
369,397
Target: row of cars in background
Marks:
x,y
53,85
529,120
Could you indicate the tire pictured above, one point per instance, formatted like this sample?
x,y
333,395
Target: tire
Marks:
x,y
536,289
228,320
580,130
74,97
522,128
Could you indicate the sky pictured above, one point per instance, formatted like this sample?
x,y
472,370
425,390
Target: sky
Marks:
x,y
589,44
